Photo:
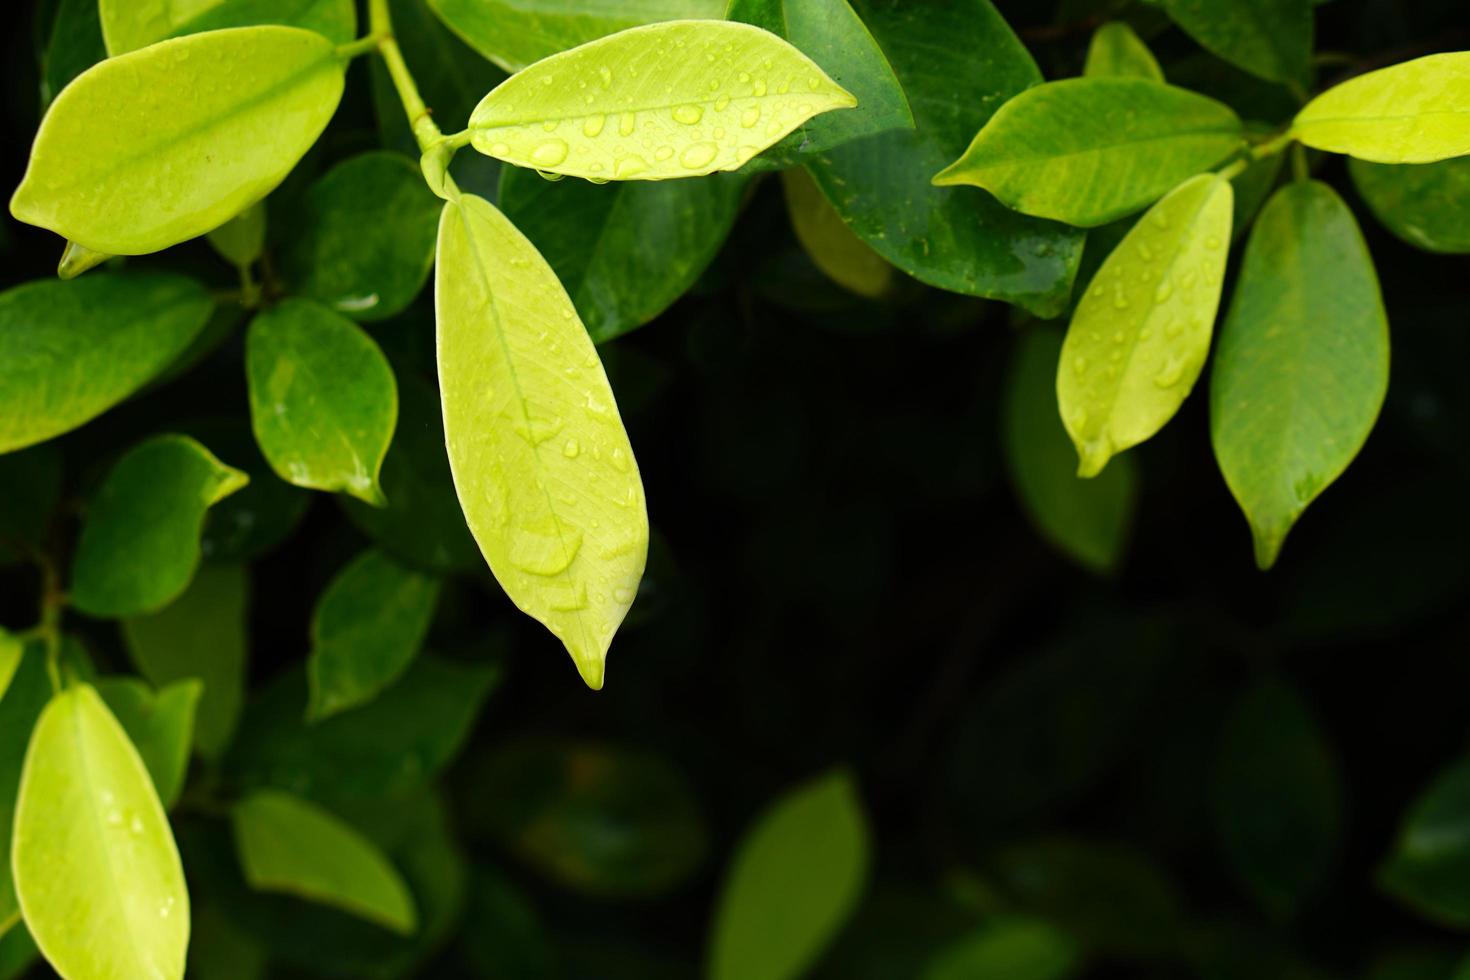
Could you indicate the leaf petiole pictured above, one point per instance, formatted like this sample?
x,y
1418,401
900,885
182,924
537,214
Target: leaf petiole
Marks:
x,y
363,45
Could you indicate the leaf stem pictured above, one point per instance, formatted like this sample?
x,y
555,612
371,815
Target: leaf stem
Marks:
x,y
362,45
53,600
1300,169
419,118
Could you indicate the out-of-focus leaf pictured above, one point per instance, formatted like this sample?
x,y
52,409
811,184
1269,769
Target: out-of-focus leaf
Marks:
x,y
1427,205
1429,868
240,240
842,255
1272,39
30,487
257,518
128,25
159,724
503,937
1008,949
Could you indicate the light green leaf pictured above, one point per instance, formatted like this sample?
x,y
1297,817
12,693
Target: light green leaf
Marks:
x,y
677,99
1008,949
27,694
1117,52
515,33
163,144
367,628
1302,365
795,879
363,241
128,25
1268,38
1416,112
96,869
1087,520
627,250
69,351
541,462
160,726
1430,865
11,648
140,543
323,401
241,239
1090,150
1427,205
200,635
77,259
288,845
831,34
1141,333
842,255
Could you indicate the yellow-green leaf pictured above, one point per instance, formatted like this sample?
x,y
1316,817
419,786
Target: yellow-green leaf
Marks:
x,y
96,869
11,648
1416,112
833,246
77,259
289,845
1141,332
541,462
676,99
131,24
1302,365
323,401
1117,52
166,143
241,239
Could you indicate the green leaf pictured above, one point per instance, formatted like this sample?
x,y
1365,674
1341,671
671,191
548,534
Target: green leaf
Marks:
x,y
241,239
363,241
1141,333
96,869
74,46
160,726
323,401
25,697
11,648
602,821
832,35
1117,52
1009,948
30,487
163,144
1268,38
503,937
1416,112
77,259
69,351
794,881
292,846
677,99
1302,365
515,34
128,25
1277,799
543,467
199,636
367,628
1427,205
953,239
842,255
1091,150
1429,868
140,543
625,251
255,520
1087,520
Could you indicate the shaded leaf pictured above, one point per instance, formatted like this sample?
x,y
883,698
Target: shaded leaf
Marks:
x,y
839,253
30,487
240,240
160,725
1429,868
128,25
1269,38
1427,205
1011,948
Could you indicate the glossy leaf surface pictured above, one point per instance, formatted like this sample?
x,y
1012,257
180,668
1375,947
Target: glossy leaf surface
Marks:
x,y
842,255
542,465
289,845
128,25
1268,38
323,401
140,543
1427,204
796,877
678,99
160,145
1302,365
1090,150
1430,860
159,724
1141,333
71,350
1415,112
199,636
1117,51
367,628
96,869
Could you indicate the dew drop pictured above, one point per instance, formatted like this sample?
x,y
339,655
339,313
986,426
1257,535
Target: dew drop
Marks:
x,y
760,88
688,114
620,460
549,153
1170,374
592,125
605,74
623,595
663,153
550,125
499,149
626,124
630,166
1120,301
698,155
750,117
1165,290
1079,364
1212,243
1144,252
743,76
572,449
722,103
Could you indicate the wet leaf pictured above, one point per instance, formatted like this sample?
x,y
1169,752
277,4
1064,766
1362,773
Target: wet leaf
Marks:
x,y
1415,112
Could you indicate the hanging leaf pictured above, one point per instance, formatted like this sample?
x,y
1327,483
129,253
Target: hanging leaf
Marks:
x,y
1271,39
367,628
240,240
323,401
678,99
1009,948
1427,205
1091,150
1429,868
128,25
514,35
140,543
543,467
1142,331
288,845
199,636
158,146
1415,112
1117,52
69,351
828,241
795,879
96,869
160,726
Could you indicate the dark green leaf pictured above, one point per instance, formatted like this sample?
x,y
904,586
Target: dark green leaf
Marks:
x,y
75,45
1427,205
1270,38
1007,949
1429,868
30,486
